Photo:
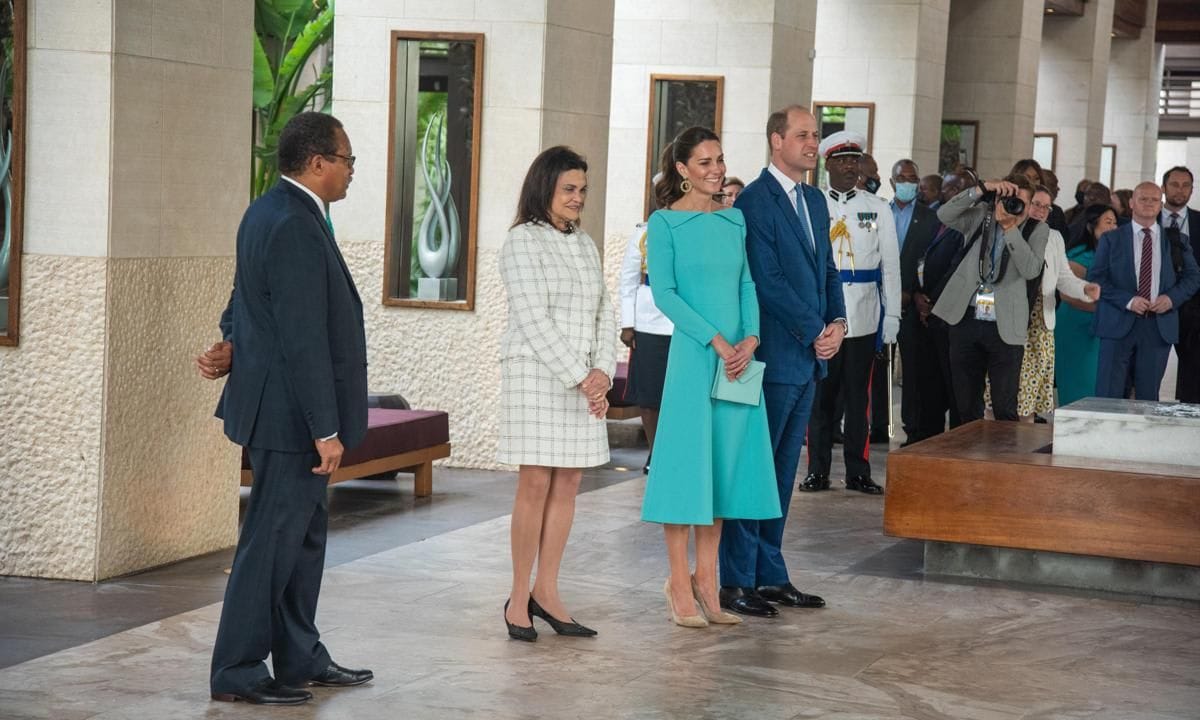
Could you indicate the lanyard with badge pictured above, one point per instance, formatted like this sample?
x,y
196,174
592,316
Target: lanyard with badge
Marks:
x,y
985,294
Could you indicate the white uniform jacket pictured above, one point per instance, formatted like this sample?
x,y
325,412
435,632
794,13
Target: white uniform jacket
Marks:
x,y
862,232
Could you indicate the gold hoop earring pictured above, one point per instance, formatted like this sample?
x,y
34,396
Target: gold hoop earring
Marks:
x,y
686,186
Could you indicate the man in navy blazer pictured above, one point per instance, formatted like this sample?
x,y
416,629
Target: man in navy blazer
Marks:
x,y
1137,318
802,325
295,352
1177,216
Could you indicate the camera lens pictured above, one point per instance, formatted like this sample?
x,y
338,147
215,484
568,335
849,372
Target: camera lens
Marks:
x,y
1014,205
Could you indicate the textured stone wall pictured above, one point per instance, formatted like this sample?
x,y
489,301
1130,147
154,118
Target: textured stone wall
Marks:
x,y
51,410
170,477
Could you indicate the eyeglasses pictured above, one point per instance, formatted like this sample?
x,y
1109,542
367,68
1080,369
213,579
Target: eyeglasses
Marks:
x,y
1040,206
348,158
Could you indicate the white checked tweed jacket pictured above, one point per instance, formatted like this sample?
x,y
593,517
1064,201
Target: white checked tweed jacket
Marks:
x,y
561,324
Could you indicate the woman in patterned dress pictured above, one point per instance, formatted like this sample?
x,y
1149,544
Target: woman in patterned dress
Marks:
x,y
557,358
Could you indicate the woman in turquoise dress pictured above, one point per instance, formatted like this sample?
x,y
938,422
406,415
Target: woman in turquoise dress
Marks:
x,y
1077,350
712,457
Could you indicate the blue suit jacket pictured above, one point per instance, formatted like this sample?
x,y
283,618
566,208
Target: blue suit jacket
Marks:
x,y
1114,271
799,291
295,319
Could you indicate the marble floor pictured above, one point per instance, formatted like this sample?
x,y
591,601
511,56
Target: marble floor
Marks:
x,y
425,615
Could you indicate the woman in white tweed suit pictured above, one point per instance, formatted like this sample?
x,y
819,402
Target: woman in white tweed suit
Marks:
x,y
557,357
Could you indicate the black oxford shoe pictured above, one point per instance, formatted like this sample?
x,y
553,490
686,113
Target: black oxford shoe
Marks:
x,y
267,692
863,484
337,676
815,482
788,595
745,601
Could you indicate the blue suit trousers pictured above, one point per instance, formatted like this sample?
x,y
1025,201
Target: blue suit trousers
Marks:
x,y
751,550
1141,355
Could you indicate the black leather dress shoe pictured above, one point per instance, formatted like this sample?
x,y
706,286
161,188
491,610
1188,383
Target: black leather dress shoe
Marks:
x,y
267,692
863,484
745,601
787,594
814,483
337,676
570,629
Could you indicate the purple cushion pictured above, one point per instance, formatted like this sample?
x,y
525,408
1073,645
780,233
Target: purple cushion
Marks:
x,y
616,395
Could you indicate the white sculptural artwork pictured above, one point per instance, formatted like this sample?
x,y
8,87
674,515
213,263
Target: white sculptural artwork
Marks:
x,y
439,238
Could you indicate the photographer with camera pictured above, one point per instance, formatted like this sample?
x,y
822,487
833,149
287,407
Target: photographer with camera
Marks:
x,y
986,299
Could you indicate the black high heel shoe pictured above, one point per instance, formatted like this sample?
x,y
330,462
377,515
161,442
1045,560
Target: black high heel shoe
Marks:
x,y
570,629
516,632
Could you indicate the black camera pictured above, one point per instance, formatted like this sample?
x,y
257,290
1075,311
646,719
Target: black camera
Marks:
x,y
1013,204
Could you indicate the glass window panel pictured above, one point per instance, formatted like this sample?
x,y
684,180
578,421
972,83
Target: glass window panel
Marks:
x,y
678,102
13,18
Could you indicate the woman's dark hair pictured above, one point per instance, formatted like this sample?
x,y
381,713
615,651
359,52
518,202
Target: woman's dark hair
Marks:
x,y
667,190
1091,216
305,135
537,191
1126,196
732,180
1021,166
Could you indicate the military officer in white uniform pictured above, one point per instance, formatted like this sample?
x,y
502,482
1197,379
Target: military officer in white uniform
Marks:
x,y
863,235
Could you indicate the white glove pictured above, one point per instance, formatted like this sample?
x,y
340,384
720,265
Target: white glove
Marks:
x,y
891,326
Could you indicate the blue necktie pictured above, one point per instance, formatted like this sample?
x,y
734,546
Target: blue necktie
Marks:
x,y
800,205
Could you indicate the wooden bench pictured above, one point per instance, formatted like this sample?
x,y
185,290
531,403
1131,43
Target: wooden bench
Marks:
x,y
618,407
994,483
397,441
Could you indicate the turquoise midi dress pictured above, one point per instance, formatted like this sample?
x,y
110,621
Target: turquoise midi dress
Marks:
x,y
712,458
1076,349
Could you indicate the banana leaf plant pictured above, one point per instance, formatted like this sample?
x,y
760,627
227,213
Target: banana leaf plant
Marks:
x,y
287,34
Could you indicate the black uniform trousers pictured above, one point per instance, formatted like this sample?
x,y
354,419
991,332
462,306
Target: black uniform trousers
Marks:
x,y
881,377
939,334
923,397
977,354
849,375
271,598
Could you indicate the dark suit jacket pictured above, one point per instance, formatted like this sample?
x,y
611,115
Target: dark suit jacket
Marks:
x,y
921,230
1113,269
1189,313
294,317
799,291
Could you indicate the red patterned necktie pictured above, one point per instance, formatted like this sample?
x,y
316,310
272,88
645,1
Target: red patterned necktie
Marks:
x,y
1146,267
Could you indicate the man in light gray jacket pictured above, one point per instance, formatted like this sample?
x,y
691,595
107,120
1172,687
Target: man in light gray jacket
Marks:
x,y
986,299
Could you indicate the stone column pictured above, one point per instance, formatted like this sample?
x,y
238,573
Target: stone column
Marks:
x,y
991,76
138,149
1072,85
892,54
1135,71
546,78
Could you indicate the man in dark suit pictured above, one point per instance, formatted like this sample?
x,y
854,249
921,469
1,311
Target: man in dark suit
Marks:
x,y
1137,318
915,226
1177,217
295,352
802,325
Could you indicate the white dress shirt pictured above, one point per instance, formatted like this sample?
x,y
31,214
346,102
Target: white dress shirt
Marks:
x,y
1156,262
790,188
638,310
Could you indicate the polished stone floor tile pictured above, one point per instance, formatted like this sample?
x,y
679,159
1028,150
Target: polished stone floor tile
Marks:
x,y
892,644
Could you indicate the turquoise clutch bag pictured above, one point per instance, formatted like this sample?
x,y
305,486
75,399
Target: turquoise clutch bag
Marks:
x,y
747,389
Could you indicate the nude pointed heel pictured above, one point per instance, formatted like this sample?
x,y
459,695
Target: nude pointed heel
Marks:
x,y
690,621
720,617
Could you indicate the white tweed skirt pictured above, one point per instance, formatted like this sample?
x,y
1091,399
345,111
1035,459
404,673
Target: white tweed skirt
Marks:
x,y
544,423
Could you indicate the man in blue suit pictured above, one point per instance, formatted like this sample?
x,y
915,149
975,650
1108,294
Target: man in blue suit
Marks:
x,y
1177,217
1137,318
802,326
295,351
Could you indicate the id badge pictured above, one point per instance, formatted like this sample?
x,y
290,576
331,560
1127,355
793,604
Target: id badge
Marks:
x,y
921,272
985,305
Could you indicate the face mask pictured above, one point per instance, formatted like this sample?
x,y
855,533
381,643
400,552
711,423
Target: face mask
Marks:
x,y
906,192
1078,197
872,185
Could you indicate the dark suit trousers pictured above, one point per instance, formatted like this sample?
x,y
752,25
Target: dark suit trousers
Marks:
x,y
923,396
977,354
881,377
850,375
271,598
1141,352
751,550
939,334
1187,377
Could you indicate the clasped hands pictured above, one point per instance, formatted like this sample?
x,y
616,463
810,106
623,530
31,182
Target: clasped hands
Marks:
x,y
737,357
1140,305
215,361
595,388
